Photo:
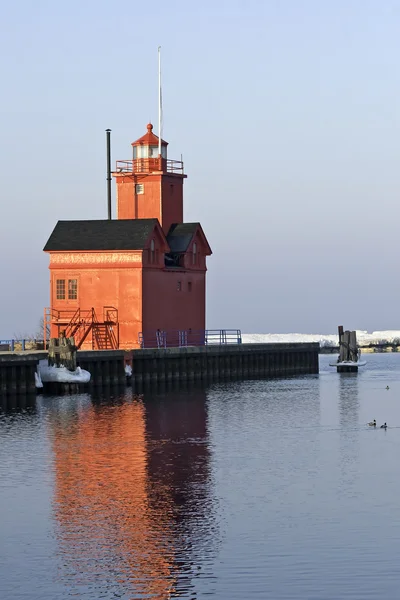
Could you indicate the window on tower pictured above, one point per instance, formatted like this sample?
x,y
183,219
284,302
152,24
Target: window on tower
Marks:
x,y
152,251
194,253
139,188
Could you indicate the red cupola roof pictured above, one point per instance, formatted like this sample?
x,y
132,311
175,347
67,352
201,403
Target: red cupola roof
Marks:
x,y
149,138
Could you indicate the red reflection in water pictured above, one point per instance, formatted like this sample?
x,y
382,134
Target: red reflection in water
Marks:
x,y
130,488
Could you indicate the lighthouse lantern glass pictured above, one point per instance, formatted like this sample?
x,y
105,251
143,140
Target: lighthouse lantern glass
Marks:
x,y
153,151
140,152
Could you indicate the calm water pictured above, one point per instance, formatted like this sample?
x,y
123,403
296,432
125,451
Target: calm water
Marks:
x,y
263,490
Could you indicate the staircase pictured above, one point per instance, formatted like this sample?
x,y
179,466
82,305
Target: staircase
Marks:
x,y
78,324
104,337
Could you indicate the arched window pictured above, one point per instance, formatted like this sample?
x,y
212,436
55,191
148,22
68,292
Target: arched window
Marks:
x,y
194,255
152,251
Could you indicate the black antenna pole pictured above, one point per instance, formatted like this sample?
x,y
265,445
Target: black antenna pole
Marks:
x,y
108,132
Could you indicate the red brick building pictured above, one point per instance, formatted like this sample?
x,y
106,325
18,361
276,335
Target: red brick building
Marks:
x,y
114,281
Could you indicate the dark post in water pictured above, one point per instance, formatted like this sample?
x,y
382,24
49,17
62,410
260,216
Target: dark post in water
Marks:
x,y
108,133
348,351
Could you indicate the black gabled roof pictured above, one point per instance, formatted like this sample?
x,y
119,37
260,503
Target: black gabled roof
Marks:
x,y
122,234
180,235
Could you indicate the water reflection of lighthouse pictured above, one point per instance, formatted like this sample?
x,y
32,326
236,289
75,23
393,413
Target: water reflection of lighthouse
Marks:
x,y
132,503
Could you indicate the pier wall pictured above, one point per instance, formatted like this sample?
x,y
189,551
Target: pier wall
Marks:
x,y
106,367
17,372
165,365
223,362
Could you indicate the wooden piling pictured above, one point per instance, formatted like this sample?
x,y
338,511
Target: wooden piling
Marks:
x,y
348,351
62,352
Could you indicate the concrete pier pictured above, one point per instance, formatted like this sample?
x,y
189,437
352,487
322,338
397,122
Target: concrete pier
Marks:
x,y
223,362
17,372
164,366
107,367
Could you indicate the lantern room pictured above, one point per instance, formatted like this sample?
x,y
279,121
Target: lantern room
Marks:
x,y
148,147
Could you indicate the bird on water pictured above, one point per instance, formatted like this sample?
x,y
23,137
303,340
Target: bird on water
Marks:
x,y
372,423
384,426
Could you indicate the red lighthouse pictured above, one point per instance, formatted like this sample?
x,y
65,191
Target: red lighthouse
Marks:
x,y
115,282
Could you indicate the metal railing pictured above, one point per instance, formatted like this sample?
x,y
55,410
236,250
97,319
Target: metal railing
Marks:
x,y
79,323
56,317
16,345
78,318
59,315
81,330
104,336
110,314
183,338
147,165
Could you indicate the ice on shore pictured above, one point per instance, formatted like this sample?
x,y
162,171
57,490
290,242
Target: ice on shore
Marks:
x,y
61,374
363,338
38,379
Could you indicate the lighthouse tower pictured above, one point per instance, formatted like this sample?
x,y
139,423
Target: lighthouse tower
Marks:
x,y
150,185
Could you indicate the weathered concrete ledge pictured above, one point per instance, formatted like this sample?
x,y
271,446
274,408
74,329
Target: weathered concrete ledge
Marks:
x,y
236,361
165,365
107,367
17,372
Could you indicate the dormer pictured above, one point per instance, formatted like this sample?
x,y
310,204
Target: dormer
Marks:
x,y
155,248
188,247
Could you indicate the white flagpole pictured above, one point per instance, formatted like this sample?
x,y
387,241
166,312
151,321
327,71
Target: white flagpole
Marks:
x,y
159,100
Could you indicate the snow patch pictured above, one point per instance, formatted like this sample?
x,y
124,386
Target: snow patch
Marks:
x,y
38,379
61,374
363,338
128,370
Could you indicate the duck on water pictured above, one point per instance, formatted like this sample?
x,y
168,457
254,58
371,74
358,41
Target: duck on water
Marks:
x,y
373,424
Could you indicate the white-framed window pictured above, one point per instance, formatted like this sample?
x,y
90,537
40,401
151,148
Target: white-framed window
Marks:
x,y
72,289
60,289
153,152
141,152
139,188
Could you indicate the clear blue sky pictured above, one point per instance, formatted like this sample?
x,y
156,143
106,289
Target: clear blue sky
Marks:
x,y
287,113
